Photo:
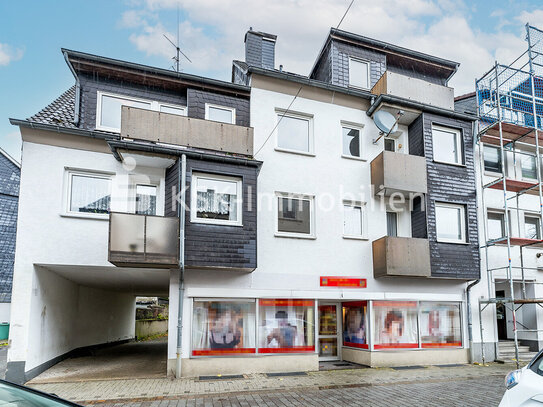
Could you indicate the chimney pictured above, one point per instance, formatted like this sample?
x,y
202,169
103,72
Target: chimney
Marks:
x,y
260,49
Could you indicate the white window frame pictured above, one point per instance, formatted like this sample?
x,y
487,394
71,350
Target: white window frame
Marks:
x,y
183,108
306,197
69,174
363,220
279,114
459,143
231,109
463,232
363,61
155,106
532,215
353,126
193,199
496,212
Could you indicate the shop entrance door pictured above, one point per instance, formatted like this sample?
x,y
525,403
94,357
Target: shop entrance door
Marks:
x,y
329,331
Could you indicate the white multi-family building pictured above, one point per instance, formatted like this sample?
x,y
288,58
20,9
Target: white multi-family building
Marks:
x,y
294,230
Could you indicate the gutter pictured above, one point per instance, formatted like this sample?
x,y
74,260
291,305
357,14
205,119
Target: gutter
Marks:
x,y
158,149
65,130
77,89
420,106
181,295
470,319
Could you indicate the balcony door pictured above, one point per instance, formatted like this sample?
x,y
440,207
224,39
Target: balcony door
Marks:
x,y
329,331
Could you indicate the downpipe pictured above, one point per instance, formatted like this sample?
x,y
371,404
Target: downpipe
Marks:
x,y
181,212
470,318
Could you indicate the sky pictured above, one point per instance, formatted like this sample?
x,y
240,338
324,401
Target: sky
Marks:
x,y
33,71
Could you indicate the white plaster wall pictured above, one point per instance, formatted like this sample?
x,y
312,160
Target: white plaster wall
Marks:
x,y
5,309
45,236
66,316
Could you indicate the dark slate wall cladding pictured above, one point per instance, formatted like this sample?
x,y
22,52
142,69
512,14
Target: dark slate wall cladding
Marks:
x,y
452,184
340,62
239,76
416,137
217,245
323,69
419,227
253,49
171,189
9,198
467,105
90,85
414,74
197,99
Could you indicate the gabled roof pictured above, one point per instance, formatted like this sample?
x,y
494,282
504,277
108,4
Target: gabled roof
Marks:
x,y
10,158
60,112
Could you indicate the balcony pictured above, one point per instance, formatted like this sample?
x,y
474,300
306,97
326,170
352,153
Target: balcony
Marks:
x,y
168,128
417,90
401,257
396,172
143,241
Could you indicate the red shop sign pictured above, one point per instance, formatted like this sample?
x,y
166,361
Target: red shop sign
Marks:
x,y
327,281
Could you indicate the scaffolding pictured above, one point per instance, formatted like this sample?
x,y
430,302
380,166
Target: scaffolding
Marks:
x,y
510,110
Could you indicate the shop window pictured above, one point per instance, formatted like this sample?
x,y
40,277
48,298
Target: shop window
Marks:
x,y
286,326
223,327
355,324
395,324
440,325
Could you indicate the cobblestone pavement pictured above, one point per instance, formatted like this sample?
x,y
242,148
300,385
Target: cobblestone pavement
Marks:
x,y
483,392
384,383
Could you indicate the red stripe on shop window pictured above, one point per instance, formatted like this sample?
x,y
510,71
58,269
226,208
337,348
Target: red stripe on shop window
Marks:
x,y
286,303
207,352
354,304
356,345
442,345
396,346
395,303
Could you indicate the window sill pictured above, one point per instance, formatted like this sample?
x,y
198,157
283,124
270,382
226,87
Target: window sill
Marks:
x,y
286,150
85,216
350,237
447,163
452,242
350,157
295,236
203,222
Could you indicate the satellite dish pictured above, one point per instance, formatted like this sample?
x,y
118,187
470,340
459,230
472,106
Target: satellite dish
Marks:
x,y
385,121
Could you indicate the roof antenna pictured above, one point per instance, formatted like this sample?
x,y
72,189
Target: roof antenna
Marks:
x,y
177,49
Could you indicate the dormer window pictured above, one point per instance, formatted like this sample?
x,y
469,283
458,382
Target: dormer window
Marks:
x,y
359,73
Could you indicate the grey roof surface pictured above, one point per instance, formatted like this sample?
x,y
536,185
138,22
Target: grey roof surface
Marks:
x,y
60,112
466,103
9,197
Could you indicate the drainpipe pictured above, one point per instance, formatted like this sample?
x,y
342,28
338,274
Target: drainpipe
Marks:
x,y
181,212
470,318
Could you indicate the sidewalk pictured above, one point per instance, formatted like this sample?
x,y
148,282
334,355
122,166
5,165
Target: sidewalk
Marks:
x,y
163,388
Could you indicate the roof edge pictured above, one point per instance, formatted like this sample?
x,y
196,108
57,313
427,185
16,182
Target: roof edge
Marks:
x,y
10,158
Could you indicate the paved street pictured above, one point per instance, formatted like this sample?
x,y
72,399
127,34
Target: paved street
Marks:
x,y
483,392
458,385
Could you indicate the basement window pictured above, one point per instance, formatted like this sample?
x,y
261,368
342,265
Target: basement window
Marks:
x,y
216,199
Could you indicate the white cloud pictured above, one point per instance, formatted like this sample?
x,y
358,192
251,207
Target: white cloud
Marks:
x,y
9,54
212,31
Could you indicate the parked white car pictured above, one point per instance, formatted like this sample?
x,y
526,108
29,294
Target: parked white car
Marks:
x,y
525,386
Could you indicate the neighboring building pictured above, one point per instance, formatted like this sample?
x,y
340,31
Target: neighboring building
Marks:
x,y
344,271
510,207
10,171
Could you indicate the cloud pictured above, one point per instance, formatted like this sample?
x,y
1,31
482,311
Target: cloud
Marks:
x,y
9,54
212,31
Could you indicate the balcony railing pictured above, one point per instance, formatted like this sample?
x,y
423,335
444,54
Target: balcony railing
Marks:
x,y
396,172
401,257
168,128
417,90
143,241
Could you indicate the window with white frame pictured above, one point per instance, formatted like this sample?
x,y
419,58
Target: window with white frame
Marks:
x,y
352,147
88,193
447,145
294,132
295,215
359,73
496,225
146,196
392,223
108,110
221,114
389,144
532,228
528,166
354,219
492,158
450,222
216,199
